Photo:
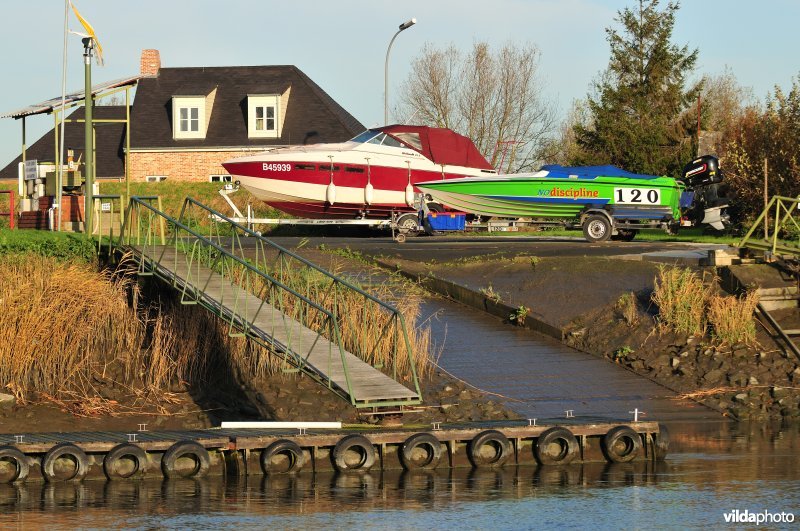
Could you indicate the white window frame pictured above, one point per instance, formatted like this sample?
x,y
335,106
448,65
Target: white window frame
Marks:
x,y
258,116
155,178
181,119
220,178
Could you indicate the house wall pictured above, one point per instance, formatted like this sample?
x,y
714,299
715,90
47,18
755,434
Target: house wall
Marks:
x,y
184,166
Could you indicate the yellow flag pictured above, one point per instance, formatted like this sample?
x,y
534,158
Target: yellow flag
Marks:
x,y
90,31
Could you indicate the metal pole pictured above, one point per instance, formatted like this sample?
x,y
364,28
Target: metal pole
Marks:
x,y
127,144
88,44
24,142
403,26
766,201
60,157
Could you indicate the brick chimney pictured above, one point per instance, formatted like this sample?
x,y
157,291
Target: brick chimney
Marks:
x,y
150,63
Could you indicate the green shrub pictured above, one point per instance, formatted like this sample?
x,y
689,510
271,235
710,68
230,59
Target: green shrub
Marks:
x,y
60,245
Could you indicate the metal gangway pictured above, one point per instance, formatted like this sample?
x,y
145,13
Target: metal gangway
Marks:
x,y
317,322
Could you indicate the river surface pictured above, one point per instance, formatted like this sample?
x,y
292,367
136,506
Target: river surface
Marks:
x,y
714,467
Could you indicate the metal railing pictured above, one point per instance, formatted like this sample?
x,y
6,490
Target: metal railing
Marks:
x,y
348,317
782,231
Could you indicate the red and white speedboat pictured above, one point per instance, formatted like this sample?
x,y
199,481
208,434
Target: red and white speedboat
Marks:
x,y
370,176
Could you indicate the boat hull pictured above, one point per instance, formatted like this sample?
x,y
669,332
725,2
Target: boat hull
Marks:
x,y
540,196
351,190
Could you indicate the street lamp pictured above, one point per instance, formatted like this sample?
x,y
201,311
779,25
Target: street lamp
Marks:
x,y
404,26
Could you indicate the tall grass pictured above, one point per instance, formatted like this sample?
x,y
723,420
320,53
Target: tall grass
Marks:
x,y
60,325
681,296
731,318
65,326
367,329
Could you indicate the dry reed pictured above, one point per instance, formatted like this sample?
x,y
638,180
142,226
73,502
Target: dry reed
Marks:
x,y
731,318
628,309
681,296
61,323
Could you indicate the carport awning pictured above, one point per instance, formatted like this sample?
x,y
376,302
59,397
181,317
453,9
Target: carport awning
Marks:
x,y
47,107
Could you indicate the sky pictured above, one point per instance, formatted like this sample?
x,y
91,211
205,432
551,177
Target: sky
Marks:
x,y
341,44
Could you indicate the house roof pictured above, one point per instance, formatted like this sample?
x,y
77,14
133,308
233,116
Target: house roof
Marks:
x,y
310,111
109,143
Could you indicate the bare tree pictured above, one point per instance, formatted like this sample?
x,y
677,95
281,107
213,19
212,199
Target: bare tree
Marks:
x,y
493,98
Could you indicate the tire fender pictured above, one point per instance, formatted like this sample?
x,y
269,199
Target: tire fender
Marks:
x,y
18,460
489,439
353,444
567,444
121,451
411,448
285,447
621,444
185,449
65,450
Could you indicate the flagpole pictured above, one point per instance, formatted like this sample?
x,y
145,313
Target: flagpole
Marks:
x,y
60,166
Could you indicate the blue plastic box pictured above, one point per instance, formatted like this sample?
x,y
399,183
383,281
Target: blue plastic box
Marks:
x,y
447,220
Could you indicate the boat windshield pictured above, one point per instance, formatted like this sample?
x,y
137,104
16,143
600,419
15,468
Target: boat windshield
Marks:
x,y
366,136
376,137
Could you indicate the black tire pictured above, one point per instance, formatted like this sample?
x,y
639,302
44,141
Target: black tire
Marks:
x,y
435,207
182,450
621,444
14,465
421,451
408,222
80,463
489,449
596,228
556,446
282,457
353,453
661,443
625,235
114,463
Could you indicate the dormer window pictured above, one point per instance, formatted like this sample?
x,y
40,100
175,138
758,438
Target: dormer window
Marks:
x,y
189,117
263,116
190,120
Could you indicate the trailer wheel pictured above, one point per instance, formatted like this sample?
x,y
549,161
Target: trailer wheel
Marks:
x,y
435,207
596,228
625,235
408,223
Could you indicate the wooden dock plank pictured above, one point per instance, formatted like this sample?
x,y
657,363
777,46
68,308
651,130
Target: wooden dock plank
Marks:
x,y
367,384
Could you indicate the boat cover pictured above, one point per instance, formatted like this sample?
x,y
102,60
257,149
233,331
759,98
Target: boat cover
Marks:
x,y
444,146
591,172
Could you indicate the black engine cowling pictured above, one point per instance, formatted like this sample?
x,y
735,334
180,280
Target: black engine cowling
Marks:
x,y
703,178
702,172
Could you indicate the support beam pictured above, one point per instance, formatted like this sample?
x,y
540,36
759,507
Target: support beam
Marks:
x,y
88,45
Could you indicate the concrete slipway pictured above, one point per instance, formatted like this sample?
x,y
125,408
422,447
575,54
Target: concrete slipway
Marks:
x,y
538,375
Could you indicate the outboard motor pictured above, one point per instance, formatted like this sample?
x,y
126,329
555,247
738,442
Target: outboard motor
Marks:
x,y
703,177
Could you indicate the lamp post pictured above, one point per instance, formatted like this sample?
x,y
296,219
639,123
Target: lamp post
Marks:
x,y
404,26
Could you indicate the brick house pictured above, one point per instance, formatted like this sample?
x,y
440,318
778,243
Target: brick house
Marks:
x,y
186,121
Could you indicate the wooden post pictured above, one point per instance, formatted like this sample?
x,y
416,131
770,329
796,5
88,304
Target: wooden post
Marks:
x,y
766,201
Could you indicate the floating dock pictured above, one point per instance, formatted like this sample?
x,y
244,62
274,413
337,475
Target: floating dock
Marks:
x,y
73,456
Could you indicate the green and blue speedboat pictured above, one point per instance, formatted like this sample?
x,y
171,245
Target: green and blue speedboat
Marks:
x,y
605,200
